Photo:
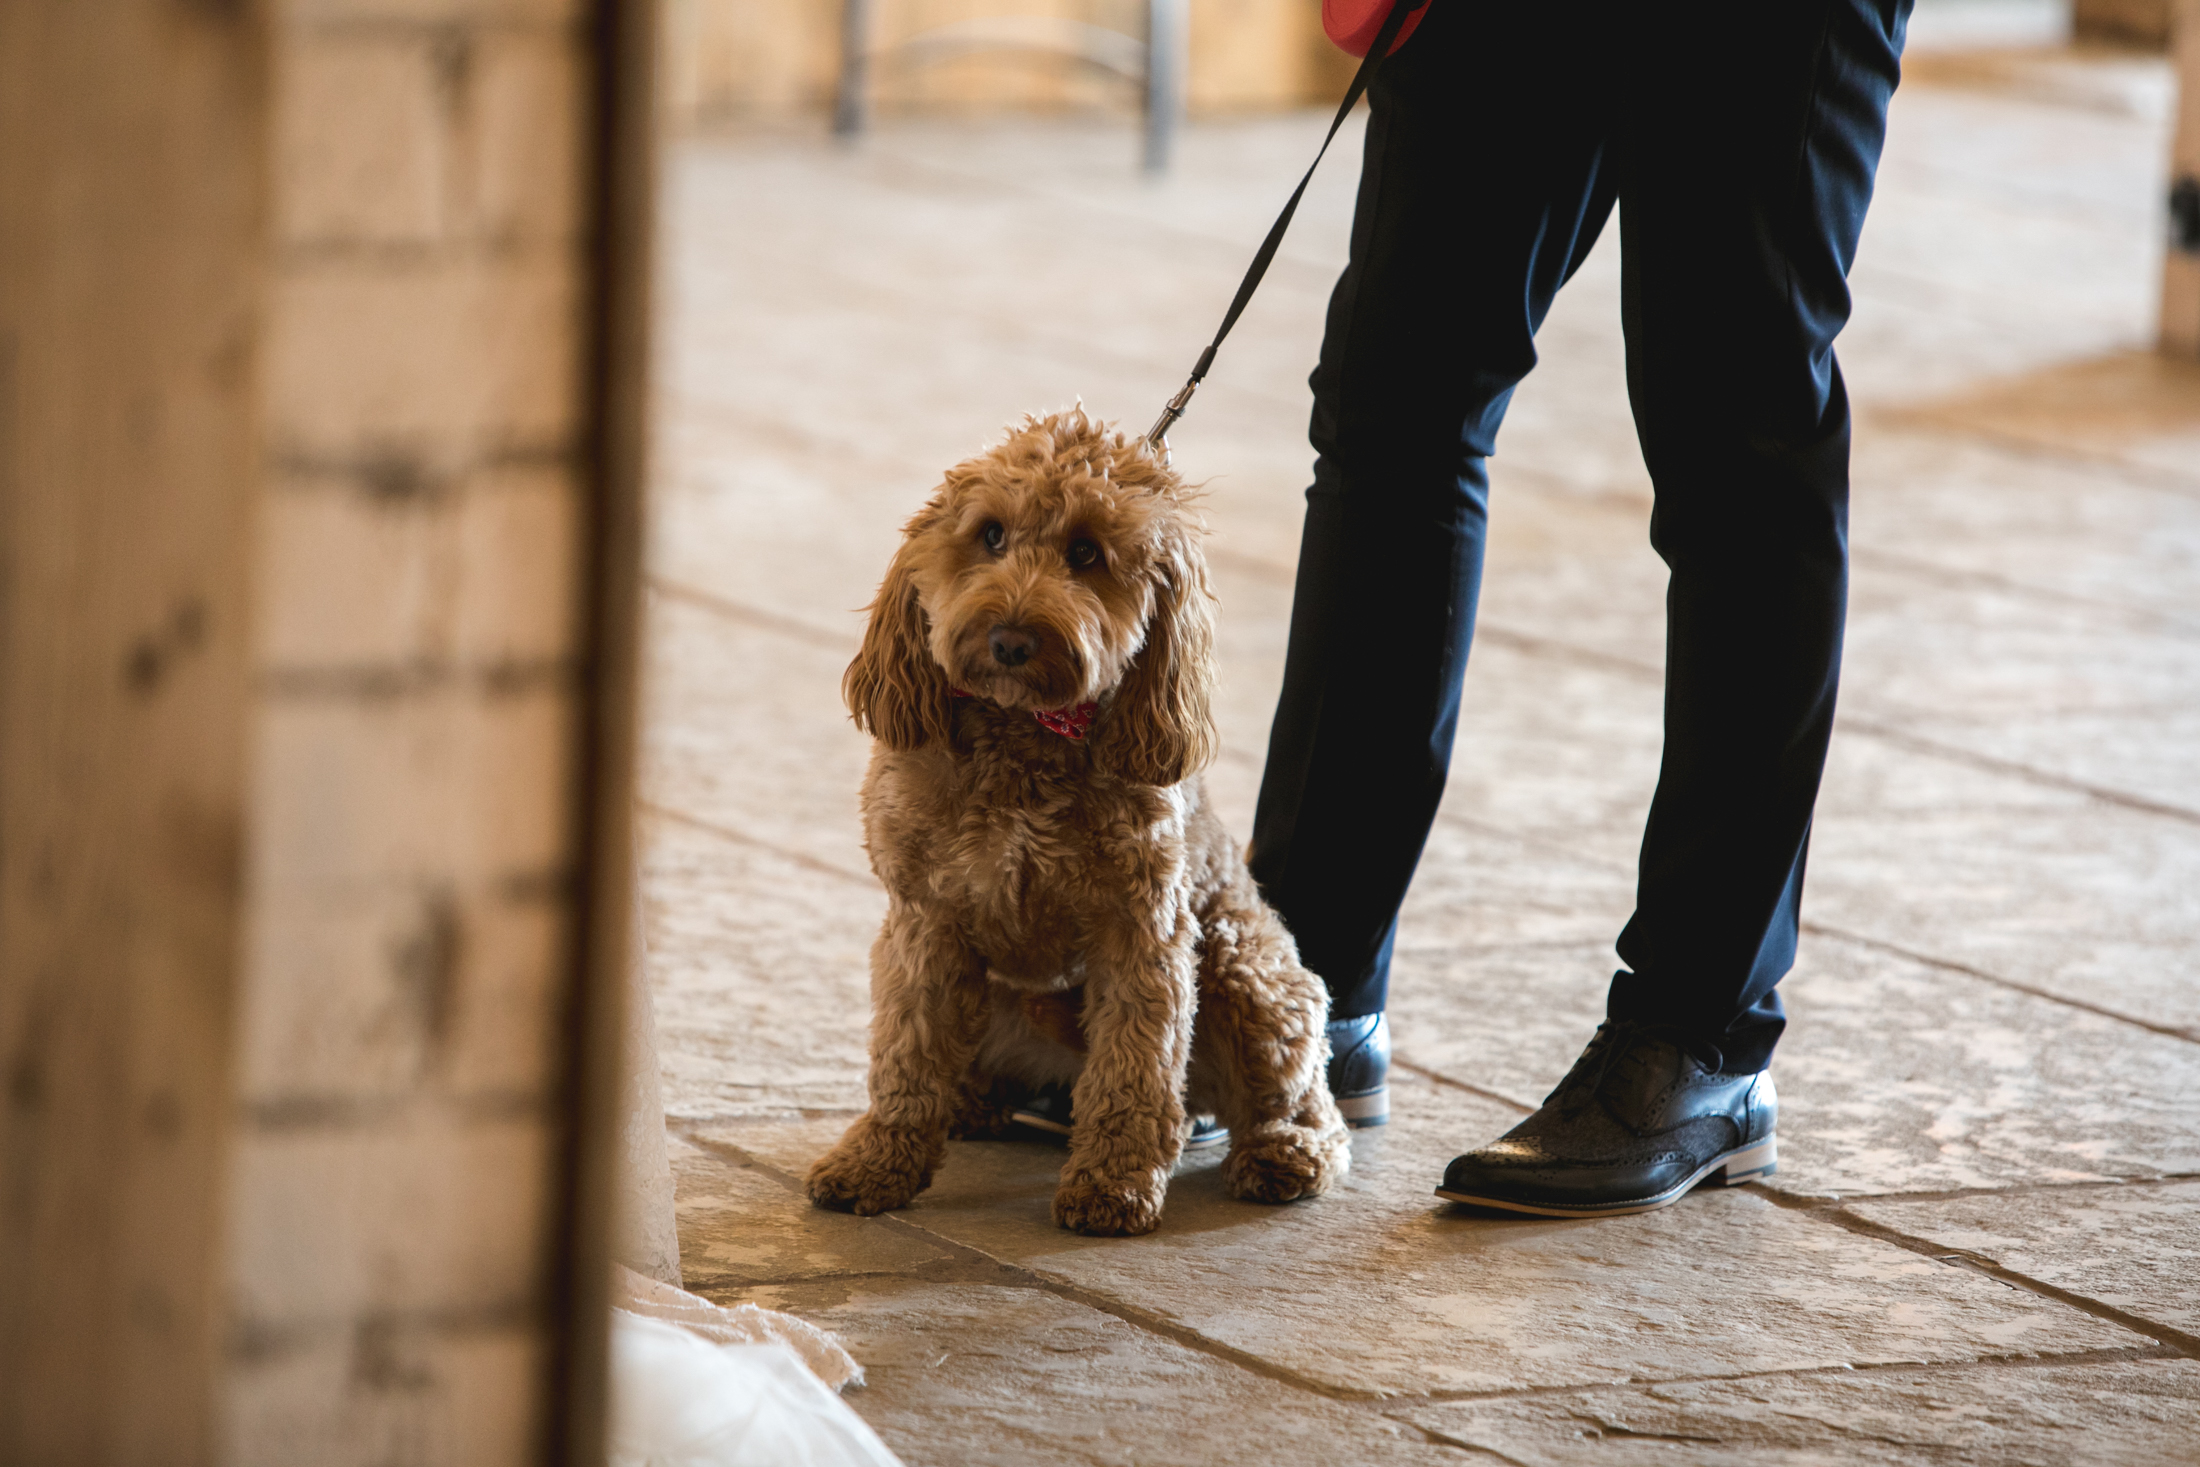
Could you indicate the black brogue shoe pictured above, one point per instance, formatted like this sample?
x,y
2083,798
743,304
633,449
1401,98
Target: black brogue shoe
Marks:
x,y
1639,1120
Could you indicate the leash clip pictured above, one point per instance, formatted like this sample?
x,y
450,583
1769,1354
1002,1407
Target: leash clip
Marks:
x,y
1157,437
1158,434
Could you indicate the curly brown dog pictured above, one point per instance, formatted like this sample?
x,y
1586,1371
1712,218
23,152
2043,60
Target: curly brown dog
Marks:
x,y
1037,673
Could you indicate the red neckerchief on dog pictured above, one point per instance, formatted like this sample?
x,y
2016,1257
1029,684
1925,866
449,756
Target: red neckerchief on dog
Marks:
x,y
1070,723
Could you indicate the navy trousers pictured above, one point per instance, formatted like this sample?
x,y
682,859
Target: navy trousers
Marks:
x,y
1739,139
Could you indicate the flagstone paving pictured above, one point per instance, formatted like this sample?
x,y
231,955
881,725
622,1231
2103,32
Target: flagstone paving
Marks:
x,y
1983,1244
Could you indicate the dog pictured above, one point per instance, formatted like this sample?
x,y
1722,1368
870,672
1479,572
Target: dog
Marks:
x,y
1063,903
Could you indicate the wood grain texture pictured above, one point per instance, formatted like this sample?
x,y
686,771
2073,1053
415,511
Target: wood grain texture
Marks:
x,y
319,476
132,221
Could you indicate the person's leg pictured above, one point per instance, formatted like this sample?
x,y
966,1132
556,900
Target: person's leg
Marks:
x,y
1484,184
1745,177
1739,219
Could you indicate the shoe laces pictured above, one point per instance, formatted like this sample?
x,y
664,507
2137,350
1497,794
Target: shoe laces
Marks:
x,y
1618,1042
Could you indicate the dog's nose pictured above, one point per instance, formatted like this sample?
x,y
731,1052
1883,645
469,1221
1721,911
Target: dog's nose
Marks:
x,y
1012,646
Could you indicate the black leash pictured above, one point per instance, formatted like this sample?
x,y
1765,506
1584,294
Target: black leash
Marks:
x,y
1392,24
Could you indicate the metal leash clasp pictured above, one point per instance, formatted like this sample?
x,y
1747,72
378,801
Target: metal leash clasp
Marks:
x,y
1158,434
1157,437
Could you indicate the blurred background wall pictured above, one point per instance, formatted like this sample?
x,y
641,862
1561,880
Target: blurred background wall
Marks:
x,y
771,60
2144,23
730,61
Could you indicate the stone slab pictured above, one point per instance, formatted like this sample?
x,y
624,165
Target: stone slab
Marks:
x,y
1477,885
2027,187
759,971
1508,1020
785,1144
2038,885
1380,1289
1893,1077
2090,694
2054,197
740,1226
2136,1412
1002,1375
2136,408
2008,150
1988,510
1905,1078
925,218
911,263
1550,743
2135,1248
1967,26
2045,623
746,731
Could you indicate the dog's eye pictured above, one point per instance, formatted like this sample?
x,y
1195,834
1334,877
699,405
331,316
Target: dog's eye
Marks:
x,y
1083,554
993,535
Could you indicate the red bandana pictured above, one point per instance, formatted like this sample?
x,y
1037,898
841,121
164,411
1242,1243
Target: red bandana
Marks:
x,y
1070,723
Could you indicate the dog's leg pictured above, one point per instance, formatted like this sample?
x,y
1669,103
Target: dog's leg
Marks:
x,y
1261,1046
981,1114
1128,1102
927,1012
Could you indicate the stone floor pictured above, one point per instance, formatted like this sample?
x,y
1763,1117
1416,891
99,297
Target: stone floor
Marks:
x,y
1984,1241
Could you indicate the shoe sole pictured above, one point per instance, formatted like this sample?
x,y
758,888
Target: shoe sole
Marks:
x,y
1370,1109
1197,1142
1747,1164
1038,1123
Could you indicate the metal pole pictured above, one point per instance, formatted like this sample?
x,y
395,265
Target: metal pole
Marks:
x,y
851,104
1168,40
2181,262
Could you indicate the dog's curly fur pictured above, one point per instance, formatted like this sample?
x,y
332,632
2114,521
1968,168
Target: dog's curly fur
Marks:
x,y
1062,908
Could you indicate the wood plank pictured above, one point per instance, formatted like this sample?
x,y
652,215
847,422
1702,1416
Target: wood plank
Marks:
x,y
132,222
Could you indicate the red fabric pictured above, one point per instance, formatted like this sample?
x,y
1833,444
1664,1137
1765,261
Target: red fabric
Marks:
x,y
1352,24
1070,723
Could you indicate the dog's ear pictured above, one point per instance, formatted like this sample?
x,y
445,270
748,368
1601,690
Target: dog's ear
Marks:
x,y
1160,729
894,688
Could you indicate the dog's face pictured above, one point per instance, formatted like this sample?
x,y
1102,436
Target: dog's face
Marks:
x,y
1061,567
1037,572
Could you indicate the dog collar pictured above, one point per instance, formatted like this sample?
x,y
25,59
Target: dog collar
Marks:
x,y
1070,723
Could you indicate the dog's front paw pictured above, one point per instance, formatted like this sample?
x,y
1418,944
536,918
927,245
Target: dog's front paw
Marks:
x,y
1110,1209
1285,1164
870,1170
